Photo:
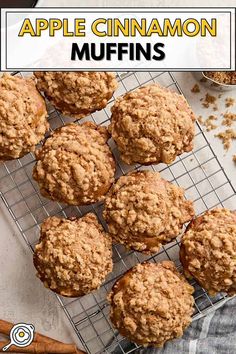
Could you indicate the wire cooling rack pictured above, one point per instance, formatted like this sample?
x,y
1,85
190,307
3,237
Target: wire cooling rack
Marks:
x,y
199,172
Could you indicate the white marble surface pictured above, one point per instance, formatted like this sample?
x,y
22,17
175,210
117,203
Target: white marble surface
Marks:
x,y
23,298
186,81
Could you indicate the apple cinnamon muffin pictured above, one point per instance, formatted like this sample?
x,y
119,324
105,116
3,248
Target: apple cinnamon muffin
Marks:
x,y
143,211
75,165
23,117
73,256
151,304
208,251
77,94
152,124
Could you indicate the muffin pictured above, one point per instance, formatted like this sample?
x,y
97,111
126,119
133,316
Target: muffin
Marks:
x,y
151,304
208,251
75,165
77,94
23,117
152,124
143,211
73,256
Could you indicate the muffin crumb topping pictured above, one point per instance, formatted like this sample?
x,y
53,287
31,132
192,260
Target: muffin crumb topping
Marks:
x,y
152,124
75,164
208,251
23,117
143,211
151,304
73,256
77,94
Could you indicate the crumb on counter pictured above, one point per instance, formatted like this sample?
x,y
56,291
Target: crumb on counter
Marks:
x,y
229,101
195,88
200,119
228,119
227,136
209,100
209,123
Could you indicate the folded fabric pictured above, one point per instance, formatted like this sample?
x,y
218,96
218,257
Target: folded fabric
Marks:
x,y
213,334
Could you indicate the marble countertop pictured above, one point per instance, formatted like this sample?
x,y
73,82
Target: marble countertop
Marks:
x,y
23,297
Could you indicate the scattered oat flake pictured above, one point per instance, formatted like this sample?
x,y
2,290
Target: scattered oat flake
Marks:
x,y
228,119
229,101
234,158
227,136
195,88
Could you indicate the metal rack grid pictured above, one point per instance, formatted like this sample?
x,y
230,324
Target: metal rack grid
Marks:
x,y
199,172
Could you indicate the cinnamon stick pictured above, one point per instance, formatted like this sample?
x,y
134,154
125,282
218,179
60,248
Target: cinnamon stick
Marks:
x,y
5,328
42,348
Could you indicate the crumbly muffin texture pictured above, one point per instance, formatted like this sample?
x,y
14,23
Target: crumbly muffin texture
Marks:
x,y
152,124
223,77
77,94
23,117
151,304
208,251
75,164
143,211
73,257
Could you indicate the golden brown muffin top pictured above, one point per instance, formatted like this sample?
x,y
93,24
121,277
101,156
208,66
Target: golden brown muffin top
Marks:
x,y
73,256
208,251
151,303
23,116
75,164
152,124
77,94
143,211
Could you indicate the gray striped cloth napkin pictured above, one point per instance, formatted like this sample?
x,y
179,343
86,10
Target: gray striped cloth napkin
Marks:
x,y
213,334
